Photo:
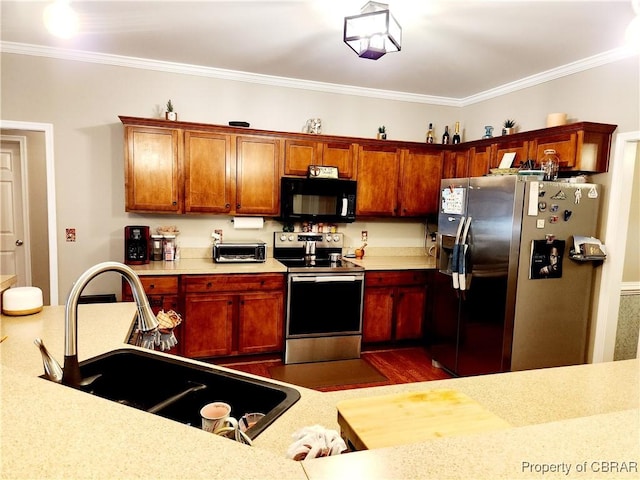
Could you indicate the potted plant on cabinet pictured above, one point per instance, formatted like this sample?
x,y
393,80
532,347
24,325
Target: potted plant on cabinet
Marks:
x,y
382,133
170,114
509,127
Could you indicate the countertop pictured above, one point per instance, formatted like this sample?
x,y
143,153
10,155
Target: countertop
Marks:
x,y
7,281
199,266
400,262
571,417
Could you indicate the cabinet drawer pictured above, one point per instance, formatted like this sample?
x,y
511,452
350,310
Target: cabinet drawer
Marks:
x,y
233,282
154,285
393,278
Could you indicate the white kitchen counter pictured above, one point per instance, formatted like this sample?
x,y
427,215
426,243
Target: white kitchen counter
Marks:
x,y
200,266
571,415
203,266
399,262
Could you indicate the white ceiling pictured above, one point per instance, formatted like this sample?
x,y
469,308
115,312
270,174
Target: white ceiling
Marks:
x,y
451,49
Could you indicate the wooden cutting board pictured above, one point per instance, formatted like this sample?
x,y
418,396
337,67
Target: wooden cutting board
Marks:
x,y
390,420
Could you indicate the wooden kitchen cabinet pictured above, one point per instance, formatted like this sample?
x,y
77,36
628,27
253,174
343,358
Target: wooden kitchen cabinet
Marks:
x,y
378,172
162,291
200,169
184,167
580,150
518,146
258,172
479,160
455,163
299,154
565,145
208,325
153,169
255,334
233,314
208,172
419,188
394,306
398,182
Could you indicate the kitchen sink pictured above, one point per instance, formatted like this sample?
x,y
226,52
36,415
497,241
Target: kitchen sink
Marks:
x,y
176,389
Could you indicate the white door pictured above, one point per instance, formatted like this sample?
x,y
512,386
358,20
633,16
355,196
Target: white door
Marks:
x,y
14,245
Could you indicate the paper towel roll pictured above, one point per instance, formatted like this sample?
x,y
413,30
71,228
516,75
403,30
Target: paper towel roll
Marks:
x,y
244,223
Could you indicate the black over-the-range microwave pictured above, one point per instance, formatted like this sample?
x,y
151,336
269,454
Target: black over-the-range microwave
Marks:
x,y
317,199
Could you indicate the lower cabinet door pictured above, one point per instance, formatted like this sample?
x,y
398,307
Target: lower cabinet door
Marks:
x,y
377,315
260,322
410,313
208,325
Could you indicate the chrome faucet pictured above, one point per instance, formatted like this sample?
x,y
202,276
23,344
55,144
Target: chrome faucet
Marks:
x,y
147,321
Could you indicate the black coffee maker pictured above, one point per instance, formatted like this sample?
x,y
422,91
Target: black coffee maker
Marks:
x,y
136,245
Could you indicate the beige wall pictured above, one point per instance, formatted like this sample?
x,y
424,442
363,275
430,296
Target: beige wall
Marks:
x,y
83,101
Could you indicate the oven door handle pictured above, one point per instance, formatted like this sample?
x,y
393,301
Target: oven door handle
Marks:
x,y
326,278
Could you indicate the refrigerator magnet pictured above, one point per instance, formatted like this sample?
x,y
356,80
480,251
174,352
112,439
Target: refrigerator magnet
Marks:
x,y
546,259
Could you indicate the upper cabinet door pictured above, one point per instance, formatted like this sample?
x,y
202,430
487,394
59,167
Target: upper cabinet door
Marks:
x,y
519,147
341,155
479,160
299,154
258,172
420,174
378,170
565,145
153,180
209,170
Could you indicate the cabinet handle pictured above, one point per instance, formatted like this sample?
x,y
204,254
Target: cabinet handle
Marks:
x,y
152,286
227,205
174,203
209,285
237,205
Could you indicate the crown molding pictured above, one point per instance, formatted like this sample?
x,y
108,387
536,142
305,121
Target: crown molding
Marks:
x,y
234,75
553,74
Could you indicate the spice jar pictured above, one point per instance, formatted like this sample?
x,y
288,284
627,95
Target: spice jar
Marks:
x,y
550,164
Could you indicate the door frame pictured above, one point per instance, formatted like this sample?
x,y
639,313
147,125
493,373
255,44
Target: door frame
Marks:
x,y
603,335
47,128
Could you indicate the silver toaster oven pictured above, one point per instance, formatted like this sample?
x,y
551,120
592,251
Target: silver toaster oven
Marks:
x,y
239,252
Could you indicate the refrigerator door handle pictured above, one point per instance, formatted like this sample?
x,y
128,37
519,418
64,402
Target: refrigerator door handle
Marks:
x,y
455,256
464,273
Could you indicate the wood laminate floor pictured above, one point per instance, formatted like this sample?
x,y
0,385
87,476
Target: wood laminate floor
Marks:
x,y
399,365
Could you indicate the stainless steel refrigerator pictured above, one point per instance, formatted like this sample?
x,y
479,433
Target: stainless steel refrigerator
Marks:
x,y
512,292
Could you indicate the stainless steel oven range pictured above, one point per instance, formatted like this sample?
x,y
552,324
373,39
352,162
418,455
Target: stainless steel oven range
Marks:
x,y
324,298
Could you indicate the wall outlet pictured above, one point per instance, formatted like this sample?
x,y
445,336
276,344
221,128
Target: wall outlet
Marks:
x,y
70,234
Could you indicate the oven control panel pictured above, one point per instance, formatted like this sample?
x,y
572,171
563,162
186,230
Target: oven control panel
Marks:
x,y
299,239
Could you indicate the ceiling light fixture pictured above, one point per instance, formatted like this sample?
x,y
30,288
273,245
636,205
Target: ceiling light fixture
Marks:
x,y
374,32
60,19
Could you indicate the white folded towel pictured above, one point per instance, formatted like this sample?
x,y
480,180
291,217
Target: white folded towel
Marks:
x,y
315,441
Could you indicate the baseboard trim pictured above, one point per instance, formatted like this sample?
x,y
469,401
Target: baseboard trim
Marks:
x,y
630,288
